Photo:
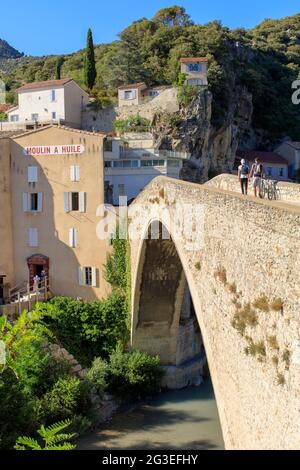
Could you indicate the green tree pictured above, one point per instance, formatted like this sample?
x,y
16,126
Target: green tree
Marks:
x,y
90,72
173,16
59,64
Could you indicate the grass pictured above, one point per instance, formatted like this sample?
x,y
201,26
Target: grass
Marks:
x,y
262,303
286,357
277,305
244,317
273,343
162,193
280,379
232,288
221,275
256,349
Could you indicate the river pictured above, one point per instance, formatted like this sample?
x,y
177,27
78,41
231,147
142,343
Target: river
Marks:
x,y
185,419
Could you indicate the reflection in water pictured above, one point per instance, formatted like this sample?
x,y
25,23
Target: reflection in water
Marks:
x,y
185,419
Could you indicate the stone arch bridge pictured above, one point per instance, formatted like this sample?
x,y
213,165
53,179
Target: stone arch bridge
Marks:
x,y
240,258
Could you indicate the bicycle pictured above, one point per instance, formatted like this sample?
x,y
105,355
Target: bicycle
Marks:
x,y
269,189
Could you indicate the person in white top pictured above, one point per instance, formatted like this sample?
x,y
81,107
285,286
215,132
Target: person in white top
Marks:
x,y
243,175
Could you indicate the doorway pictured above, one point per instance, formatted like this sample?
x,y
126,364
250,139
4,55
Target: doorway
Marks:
x,y
36,265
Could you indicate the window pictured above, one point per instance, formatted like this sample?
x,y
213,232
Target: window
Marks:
x,y
32,174
53,95
53,115
127,164
194,67
14,118
108,145
195,82
75,202
35,117
118,164
33,238
154,93
159,162
146,163
128,95
73,237
135,163
281,172
269,171
75,173
107,164
88,276
32,202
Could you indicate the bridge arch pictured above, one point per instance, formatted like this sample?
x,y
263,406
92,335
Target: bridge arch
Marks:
x,y
226,275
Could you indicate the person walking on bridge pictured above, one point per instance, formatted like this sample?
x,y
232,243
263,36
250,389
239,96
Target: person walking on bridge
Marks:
x,y
257,172
243,175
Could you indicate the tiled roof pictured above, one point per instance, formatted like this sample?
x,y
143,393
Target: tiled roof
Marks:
x,y
133,85
6,107
265,157
191,60
78,131
46,84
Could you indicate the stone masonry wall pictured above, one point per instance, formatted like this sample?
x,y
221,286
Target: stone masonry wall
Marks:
x,y
245,286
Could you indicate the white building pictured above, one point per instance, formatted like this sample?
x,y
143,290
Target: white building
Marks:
x,y
195,70
132,162
58,101
291,152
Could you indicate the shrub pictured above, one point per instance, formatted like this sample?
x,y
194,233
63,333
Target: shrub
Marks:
x,y
134,374
187,94
286,357
61,402
53,439
88,329
280,379
97,375
132,124
256,349
17,414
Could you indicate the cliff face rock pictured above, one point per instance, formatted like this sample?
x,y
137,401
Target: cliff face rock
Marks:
x,y
191,130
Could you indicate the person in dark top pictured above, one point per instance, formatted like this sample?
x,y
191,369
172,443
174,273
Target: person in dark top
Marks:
x,y
257,172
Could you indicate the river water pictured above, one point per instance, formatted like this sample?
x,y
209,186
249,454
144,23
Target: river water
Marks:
x,y
185,419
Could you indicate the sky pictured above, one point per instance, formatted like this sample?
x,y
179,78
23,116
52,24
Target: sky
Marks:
x,y
46,27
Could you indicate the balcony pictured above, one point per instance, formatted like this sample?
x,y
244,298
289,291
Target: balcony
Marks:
x,y
6,126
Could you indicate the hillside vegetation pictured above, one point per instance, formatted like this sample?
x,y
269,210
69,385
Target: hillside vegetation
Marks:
x,y
265,60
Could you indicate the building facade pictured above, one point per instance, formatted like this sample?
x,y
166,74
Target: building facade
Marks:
x,y
50,192
195,69
291,152
131,162
59,101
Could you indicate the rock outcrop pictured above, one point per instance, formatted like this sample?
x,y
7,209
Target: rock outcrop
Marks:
x,y
191,130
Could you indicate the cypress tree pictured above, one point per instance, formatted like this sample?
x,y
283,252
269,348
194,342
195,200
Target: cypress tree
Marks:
x,y
59,65
90,72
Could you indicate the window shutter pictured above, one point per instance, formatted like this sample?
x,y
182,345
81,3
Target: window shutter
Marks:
x,y
40,202
73,237
67,202
32,174
72,173
33,237
81,276
25,202
82,202
133,94
94,277
122,95
77,173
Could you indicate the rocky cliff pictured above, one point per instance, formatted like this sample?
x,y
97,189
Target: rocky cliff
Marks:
x,y
191,130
